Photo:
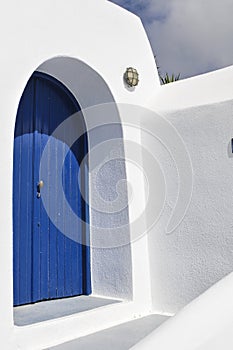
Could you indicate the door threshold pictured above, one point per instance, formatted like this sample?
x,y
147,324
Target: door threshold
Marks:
x,y
48,310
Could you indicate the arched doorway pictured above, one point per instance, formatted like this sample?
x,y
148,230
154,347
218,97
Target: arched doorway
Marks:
x,y
47,264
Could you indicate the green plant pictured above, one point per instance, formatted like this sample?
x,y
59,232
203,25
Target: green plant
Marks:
x,y
169,79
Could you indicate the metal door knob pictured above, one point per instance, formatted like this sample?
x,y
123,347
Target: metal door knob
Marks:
x,y
40,184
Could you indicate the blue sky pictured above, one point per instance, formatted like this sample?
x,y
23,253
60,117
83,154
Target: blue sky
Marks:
x,y
187,36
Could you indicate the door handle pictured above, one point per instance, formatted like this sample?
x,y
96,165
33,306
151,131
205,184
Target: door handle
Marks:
x,y
39,186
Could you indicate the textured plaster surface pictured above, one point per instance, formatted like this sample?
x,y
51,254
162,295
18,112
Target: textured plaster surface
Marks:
x,y
199,252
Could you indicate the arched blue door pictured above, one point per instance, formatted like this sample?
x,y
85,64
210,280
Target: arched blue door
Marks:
x,y
47,264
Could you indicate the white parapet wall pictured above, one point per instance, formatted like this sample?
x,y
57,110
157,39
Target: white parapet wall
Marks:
x,y
204,324
204,89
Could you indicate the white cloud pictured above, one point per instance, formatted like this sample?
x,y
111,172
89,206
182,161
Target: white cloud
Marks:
x,y
187,36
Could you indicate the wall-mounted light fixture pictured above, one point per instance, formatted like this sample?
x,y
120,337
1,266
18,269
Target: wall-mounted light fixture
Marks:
x,y
131,77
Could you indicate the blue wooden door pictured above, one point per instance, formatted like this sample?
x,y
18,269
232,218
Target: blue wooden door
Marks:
x,y
47,264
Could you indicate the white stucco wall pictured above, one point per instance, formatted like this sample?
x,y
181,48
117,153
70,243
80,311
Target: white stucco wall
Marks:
x,y
198,252
108,39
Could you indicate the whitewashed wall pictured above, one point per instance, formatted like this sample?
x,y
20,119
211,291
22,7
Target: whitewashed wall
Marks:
x,y
198,253
109,39
189,263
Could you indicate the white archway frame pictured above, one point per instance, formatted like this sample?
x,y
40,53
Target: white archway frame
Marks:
x,y
86,85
